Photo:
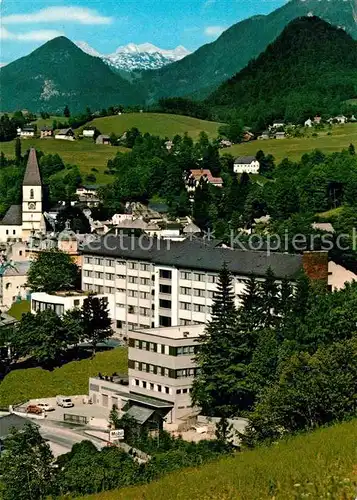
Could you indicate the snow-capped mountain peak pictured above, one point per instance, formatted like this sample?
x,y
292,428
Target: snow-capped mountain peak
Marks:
x,y
88,49
137,57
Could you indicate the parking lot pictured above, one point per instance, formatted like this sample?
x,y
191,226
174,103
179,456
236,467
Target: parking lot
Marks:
x,y
89,411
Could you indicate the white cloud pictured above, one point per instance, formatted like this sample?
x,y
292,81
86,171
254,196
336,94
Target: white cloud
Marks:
x,y
30,36
55,14
214,30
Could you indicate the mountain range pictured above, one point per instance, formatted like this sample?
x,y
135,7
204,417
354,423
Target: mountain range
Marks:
x,y
141,57
199,73
60,73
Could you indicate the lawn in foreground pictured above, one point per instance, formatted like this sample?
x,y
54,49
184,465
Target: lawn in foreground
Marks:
x,y
84,153
163,125
70,379
19,308
342,136
321,464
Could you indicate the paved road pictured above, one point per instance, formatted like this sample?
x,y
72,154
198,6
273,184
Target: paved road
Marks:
x,y
62,439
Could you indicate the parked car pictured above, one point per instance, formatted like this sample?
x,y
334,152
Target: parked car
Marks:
x,y
45,406
64,401
34,409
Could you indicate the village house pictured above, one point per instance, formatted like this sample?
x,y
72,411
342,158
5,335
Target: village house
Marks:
x,y
340,119
317,119
277,124
247,164
280,135
88,132
308,123
46,132
25,132
88,194
13,284
195,176
65,134
103,139
248,136
265,135
224,143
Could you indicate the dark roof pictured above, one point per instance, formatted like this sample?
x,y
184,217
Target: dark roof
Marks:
x,y
13,216
140,414
32,175
195,254
245,159
45,129
29,129
64,131
9,421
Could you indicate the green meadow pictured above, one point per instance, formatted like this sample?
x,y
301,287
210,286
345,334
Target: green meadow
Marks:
x,y
72,378
319,465
163,125
341,137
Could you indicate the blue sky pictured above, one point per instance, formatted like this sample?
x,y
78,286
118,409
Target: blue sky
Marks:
x,y
105,25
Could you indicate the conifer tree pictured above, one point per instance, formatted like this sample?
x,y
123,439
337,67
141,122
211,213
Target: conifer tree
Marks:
x,y
269,299
221,388
250,310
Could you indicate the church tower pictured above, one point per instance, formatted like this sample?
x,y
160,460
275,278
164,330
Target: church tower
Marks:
x,y
32,218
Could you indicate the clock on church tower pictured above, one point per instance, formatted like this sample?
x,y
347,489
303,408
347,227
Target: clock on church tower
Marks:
x,y
32,218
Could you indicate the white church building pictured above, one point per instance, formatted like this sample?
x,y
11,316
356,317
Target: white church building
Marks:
x,y
20,221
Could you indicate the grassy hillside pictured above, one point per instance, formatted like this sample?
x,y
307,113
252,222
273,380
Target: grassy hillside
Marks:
x,y
85,154
71,379
317,465
164,125
342,136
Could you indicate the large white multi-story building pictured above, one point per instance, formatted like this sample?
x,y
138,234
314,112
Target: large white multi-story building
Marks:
x,y
161,371
157,283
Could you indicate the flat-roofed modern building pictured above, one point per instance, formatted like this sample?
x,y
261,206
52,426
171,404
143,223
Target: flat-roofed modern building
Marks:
x,y
161,371
158,283
162,365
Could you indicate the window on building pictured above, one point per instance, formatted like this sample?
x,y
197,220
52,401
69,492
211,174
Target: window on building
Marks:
x,y
165,289
110,263
144,311
178,391
32,195
151,386
144,267
186,306
99,275
211,278
136,365
165,304
185,275
121,262
14,231
119,324
133,279
145,281
121,277
98,262
198,276
76,302
109,289
164,321
132,265
109,276
121,290
199,308
144,384
159,388
132,293
144,295
137,382
166,274
197,292
184,290
152,347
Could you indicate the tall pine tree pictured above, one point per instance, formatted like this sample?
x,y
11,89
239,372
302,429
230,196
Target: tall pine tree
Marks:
x,y
221,388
